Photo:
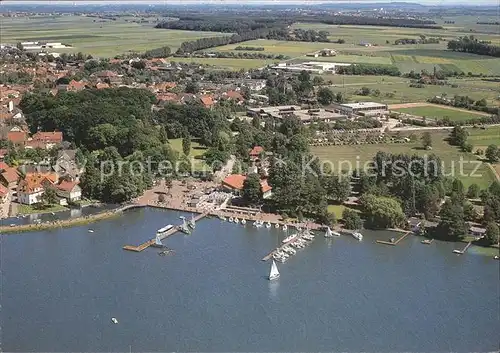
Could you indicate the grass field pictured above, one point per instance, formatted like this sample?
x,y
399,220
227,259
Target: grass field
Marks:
x,y
227,63
449,155
195,154
439,113
102,39
484,138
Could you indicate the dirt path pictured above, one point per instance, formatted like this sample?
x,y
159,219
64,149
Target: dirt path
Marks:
x,y
495,169
425,104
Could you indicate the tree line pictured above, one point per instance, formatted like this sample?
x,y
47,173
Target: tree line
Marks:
x,y
469,44
369,69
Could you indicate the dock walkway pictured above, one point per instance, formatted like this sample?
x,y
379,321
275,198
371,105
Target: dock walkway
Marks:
x,y
395,242
168,233
268,256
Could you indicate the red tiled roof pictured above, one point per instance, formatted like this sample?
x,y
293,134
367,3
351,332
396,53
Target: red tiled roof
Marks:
x,y
54,137
101,85
265,187
10,175
76,85
235,181
67,185
17,136
3,190
207,101
256,151
4,166
234,95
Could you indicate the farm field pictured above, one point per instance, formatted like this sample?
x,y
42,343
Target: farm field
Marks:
x,y
483,138
397,89
100,39
450,157
227,63
439,113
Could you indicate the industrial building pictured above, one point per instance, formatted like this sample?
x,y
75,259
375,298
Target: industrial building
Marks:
x,y
306,116
361,108
317,67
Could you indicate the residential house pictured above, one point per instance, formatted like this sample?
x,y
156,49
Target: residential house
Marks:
x,y
75,86
234,96
48,139
109,76
18,138
30,190
167,97
234,183
66,165
9,178
255,153
477,232
4,193
207,101
70,190
101,85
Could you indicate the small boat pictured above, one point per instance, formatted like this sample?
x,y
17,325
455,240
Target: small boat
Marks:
x,y
277,225
274,273
268,225
288,238
164,229
192,223
357,235
52,213
236,220
231,220
285,227
243,221
328,233
222,218
114,320
496,257
257,224
457,251
91,231
426,241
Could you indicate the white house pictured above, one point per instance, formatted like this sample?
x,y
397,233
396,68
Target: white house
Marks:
x,y
70,190
30,190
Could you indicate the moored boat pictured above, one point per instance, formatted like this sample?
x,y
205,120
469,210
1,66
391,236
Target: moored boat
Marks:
x,y
288,238
357,235
268,225
164,229
114,320
243,221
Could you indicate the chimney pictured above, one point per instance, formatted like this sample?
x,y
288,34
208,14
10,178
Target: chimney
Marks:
x,y
11,106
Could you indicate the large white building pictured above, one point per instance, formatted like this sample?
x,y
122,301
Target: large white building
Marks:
x,y
361,108
318,67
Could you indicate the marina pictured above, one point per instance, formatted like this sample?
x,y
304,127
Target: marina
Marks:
x,y
218,267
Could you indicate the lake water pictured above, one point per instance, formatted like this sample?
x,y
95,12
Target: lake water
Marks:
x,y
60,289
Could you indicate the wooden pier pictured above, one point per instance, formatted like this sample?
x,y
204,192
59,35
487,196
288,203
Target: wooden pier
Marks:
x,y
395,242
168,233
268,256
460,252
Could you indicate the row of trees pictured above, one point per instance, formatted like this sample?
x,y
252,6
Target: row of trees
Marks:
x,y
369,69
470,44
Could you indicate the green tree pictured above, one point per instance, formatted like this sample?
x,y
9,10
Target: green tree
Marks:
x,y
452,222
252,192
49,196
192,87
351,219
492,153
458,136
325,96
492,233
186,145
427,140
473,191
382,212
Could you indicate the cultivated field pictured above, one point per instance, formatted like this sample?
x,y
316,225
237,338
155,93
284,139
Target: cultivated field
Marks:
x,y
228,63
436,112
483,138
95,36
449,155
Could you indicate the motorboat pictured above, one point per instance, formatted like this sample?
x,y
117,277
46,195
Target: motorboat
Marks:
x,y
164,229
285,227
231,220
288,238
268,225
274,273
257,224
277,225
426,241
91,231
496,257
243,221
236,220
222,218
357,235
114,320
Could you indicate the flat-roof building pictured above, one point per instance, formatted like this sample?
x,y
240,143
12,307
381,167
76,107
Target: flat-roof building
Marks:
x,y
361,108
306,116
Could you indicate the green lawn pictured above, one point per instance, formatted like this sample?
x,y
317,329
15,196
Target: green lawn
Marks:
x,y
195,155
30,209
483,138
102,39
338,210
228,63
344,157
440,113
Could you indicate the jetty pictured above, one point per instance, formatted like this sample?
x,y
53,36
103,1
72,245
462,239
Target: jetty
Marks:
x,y
460,252
268,256
395,242
152,242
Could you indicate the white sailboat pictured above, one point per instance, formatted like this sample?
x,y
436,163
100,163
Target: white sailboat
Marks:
x,y
357,235
285,227
268,224
243,221
274,273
